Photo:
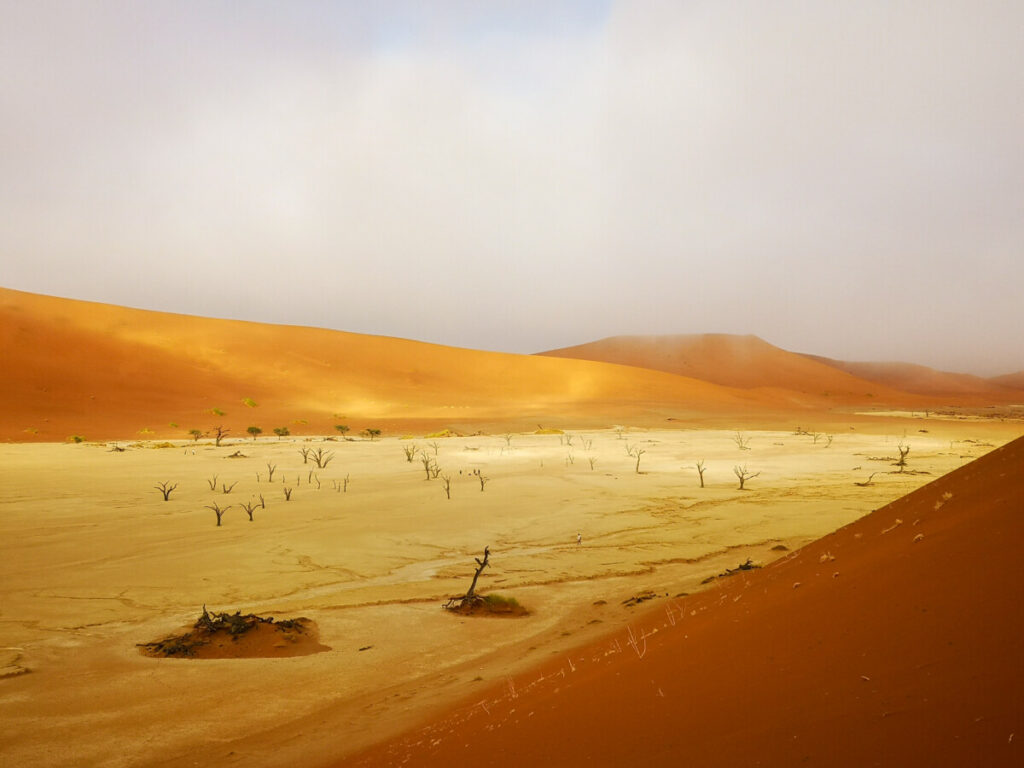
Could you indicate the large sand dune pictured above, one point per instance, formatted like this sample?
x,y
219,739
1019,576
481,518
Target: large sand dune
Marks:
x,y
896,641
921,380
748,362
104,372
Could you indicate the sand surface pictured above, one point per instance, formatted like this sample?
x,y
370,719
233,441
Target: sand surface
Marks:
x,y
93,561
895,641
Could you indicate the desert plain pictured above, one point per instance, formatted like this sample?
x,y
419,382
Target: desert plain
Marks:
x,y
579,476
95,562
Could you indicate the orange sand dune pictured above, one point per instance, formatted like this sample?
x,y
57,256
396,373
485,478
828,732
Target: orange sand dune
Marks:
x,y
744,362
921,380
103,372
1011,380
895,641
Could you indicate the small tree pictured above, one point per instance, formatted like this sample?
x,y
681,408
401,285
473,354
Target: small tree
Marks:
x,y
427,463
196,434
904,449
700,472
218,510
165,488
282,432
321,458
471,597
638,452
254,431
743,474
342,429
250,507
219,434
371,433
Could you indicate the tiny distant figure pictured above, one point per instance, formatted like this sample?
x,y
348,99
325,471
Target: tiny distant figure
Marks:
x,y
579,539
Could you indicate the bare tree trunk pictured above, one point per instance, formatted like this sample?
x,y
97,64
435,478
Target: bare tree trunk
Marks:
x,y
482,564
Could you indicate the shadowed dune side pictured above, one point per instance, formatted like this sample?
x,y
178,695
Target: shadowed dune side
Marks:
x,y
105,372
744,362
921,380
894,641
1011,380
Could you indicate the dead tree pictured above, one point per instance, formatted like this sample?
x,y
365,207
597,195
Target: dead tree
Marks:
x,y
410,452
270,471
219,434
483,480
592,460
741,441
828,440
249,508
904,449
471,597
446,483
321,458
213,483
165,488
638,452
305,454
218,510
228,488
743,474
287,494
427,463
700,472
867,482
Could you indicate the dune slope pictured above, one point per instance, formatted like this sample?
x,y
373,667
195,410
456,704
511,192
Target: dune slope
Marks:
x,y
921,380
745,362
101,371
895,641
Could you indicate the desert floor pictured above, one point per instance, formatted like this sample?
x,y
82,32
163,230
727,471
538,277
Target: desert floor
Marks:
x,y
93,561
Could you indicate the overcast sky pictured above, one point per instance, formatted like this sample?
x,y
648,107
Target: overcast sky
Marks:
x,y
840,178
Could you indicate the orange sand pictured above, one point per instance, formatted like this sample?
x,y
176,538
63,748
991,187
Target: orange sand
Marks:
x,y
896,641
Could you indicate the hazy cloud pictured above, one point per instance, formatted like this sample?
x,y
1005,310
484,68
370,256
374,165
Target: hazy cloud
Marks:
x,y
838,178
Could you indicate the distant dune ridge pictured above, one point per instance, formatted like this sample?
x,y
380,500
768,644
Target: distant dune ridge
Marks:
x,y
894,641
105,372
748,362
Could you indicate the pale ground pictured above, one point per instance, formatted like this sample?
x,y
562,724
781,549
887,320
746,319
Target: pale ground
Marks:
x,y
92,561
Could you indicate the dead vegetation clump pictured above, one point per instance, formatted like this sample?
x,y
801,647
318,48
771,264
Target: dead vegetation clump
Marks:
x,y
238,635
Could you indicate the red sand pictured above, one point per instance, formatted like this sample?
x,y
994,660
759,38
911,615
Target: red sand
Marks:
x,y
748,362
903,645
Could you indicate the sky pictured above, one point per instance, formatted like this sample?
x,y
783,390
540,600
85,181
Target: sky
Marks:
x,y
843,179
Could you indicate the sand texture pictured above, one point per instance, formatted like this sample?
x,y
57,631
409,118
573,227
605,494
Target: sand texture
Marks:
x,y
818,615
895,641
95,562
